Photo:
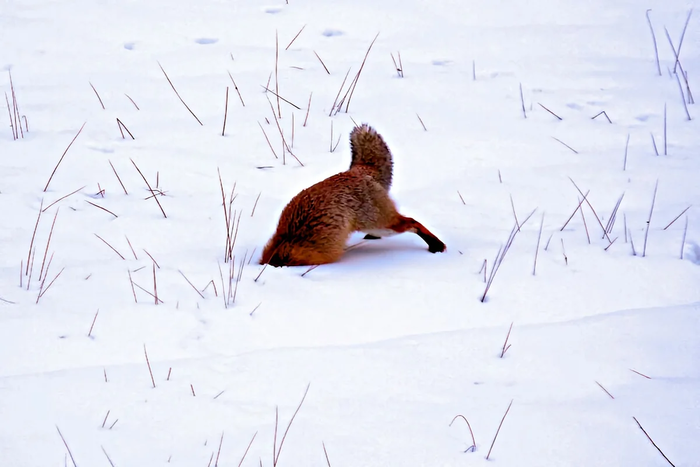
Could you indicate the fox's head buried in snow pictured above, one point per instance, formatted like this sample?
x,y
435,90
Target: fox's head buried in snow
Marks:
x,y
316,224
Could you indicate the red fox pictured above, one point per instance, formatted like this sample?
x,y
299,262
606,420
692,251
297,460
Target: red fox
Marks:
x,y
316,224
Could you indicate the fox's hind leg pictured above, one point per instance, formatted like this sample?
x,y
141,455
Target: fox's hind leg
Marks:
x,y
407,224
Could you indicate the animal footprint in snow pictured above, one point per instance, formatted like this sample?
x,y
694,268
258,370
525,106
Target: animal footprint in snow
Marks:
x,y
206,40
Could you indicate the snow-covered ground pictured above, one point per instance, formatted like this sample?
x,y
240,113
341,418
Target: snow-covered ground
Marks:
x,y
393,342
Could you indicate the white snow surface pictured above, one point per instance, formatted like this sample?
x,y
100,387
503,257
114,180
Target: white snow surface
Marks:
x,y
393,342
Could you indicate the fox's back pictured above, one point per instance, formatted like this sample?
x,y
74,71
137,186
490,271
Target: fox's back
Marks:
x,y
346,201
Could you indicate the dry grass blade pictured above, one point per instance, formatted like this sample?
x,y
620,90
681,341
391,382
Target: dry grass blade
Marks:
x,y
471,448
268,141
295,38
335,105
353,85
280,97
613,216
498,430
677,217
100,207
522,99
62,156
191,285
132,101
62,198
113,249
506,345
43,291
537,248
223,130
602,113
652,441
247,449
98,95
323,64
118,178
605,233
545,108
580,202
562,142
148,362
107,456
235,86
653,37
149,187
651,211
606,391
500,256
421,122
308,108
48,243
291,420
66,445
31,243
178,94
90,333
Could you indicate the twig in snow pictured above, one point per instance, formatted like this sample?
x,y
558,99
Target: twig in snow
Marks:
x,y
522,100
627,143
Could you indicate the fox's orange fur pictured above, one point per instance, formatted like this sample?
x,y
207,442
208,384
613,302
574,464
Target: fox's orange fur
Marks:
x,y
315,225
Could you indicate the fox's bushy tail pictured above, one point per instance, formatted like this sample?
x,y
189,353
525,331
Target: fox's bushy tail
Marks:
x,y
371,154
